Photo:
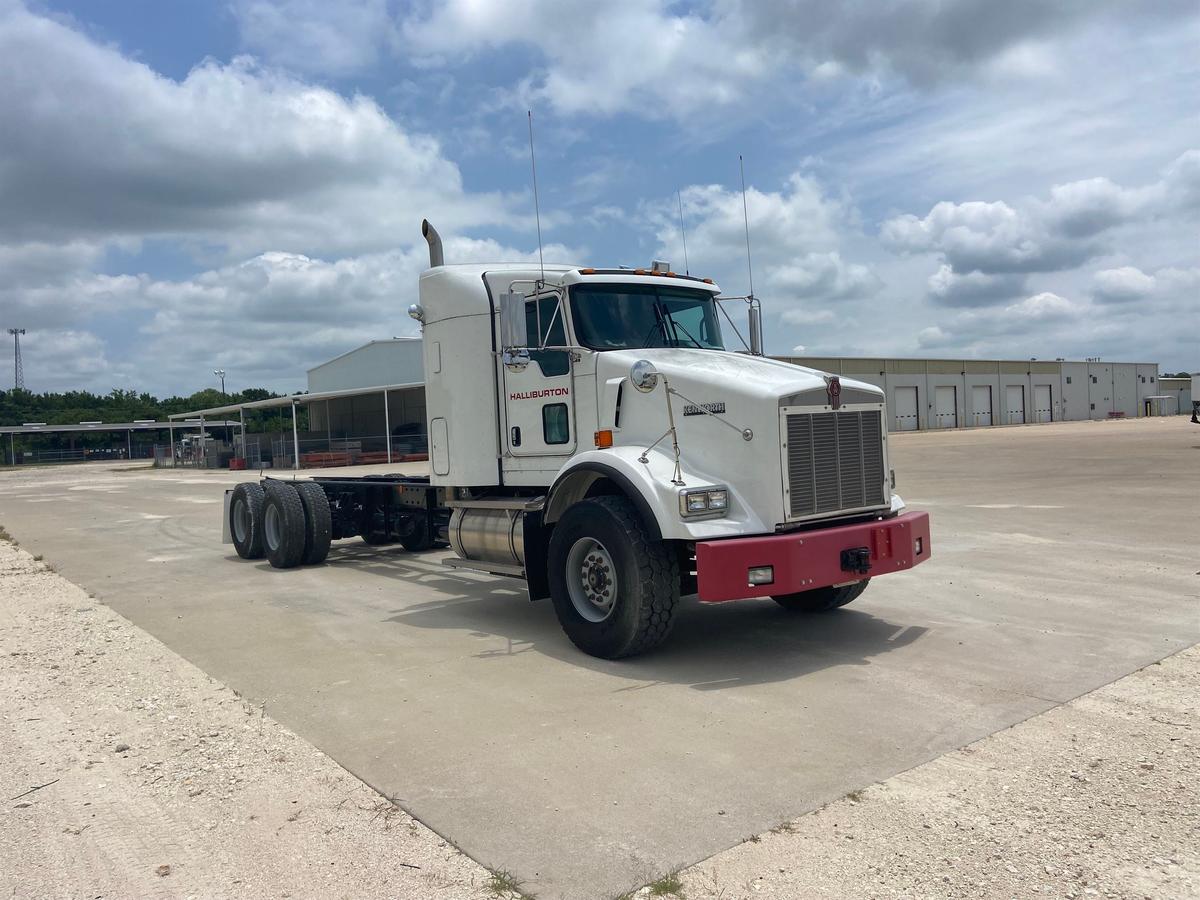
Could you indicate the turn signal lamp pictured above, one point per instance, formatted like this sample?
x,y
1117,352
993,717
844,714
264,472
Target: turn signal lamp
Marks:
x,y
604,439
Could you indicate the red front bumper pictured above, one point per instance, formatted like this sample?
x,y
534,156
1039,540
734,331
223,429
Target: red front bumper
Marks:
x,y
806,560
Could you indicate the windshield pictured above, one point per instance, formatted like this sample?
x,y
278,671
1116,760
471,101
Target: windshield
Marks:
x,y
634,316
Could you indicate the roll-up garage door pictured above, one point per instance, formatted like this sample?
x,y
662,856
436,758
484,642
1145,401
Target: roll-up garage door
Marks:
x,y
945,406
981,404
1042,409
1014,403
905,405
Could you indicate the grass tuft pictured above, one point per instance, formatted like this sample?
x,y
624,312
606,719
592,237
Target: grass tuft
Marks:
x,y
667,886
504,885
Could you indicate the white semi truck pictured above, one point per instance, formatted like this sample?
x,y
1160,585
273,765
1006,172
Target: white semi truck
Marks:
x,y
592,432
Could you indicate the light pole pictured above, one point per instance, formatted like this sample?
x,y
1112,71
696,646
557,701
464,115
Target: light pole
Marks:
x,y
19,372
220,373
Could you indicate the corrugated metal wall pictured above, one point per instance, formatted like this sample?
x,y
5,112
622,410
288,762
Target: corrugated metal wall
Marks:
x,y
952,393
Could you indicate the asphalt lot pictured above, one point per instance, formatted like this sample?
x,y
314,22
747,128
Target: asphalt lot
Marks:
x,y
1063,557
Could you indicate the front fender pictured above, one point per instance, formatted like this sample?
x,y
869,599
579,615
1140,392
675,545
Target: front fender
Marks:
x,y
648,486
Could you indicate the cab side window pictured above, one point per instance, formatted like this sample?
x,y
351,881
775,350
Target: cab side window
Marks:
x,y
556,424
544,326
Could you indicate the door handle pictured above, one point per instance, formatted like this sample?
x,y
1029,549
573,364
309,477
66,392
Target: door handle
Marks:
x,y
515,436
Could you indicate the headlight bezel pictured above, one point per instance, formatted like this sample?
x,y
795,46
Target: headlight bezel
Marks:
x,y
709,501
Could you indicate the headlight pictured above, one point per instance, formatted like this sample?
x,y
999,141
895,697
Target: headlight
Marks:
x,y
705,501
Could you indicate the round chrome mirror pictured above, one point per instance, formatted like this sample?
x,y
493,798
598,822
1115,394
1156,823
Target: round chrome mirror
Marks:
x,y
416,311
643,375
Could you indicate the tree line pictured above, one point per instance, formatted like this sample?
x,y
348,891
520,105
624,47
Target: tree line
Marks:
x,y
72,407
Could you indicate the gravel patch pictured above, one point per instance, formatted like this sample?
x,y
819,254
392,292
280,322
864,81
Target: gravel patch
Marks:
x,y
129,772
1099,797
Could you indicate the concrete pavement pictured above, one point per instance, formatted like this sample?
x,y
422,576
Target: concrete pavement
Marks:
x,y
1063,557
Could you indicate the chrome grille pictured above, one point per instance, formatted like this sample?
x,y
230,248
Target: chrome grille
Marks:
x,y
835,461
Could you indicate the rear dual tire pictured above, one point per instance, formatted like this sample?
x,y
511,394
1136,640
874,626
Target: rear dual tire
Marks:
x,y
288,523
284,527
245,520
318,522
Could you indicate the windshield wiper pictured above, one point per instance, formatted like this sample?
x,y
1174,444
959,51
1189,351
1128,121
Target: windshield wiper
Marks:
x,y
659,324
679,325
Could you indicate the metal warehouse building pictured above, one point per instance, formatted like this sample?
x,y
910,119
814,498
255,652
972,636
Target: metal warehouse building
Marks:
x,y
365,369
921,393
962,393
368,405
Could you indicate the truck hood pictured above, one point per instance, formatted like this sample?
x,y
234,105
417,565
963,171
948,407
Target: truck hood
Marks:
x,y
718,376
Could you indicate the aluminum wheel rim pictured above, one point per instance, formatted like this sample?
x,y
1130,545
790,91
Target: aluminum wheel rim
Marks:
x,y
591,579
241,521
271,527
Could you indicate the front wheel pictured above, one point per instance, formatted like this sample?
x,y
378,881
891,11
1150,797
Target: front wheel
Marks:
x,y
822,599
615,590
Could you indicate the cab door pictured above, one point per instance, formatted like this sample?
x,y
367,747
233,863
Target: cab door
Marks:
x,y
539,399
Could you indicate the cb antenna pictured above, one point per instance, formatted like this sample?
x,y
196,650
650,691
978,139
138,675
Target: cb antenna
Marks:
x,y
746,219
682,232
536,211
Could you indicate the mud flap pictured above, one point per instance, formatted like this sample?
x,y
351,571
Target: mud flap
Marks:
x,y
226,534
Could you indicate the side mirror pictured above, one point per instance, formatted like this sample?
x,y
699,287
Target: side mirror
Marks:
x,y
643,375
513,332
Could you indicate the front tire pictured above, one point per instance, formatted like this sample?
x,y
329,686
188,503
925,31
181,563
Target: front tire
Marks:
x,y
822,599
615,589
283,525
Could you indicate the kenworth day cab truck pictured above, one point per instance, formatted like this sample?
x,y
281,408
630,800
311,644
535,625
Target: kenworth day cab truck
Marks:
x,y
591,433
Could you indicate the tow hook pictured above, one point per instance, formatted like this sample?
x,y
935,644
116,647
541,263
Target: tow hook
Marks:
x,y
857,559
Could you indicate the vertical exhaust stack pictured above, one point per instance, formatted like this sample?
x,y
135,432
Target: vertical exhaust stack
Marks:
x,y
435,244
756,335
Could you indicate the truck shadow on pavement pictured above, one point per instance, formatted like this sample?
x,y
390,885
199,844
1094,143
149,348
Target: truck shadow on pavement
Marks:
x,y
712,646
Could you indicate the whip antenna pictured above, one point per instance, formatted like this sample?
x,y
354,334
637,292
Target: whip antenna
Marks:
x,y
536,211
683,233
746,219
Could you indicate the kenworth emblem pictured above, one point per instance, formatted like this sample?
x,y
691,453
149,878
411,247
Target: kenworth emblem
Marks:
x,y
833,384
694,410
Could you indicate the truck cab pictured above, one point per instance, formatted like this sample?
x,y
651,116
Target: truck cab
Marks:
x,y
607,435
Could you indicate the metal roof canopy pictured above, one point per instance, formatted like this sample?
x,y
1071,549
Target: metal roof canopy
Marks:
x,y
294,400
110,426
298,399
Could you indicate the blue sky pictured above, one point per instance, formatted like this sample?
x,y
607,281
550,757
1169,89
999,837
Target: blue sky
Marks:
x,y
191,186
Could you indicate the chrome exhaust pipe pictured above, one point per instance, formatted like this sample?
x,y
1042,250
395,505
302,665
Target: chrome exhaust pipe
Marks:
x,y
756,335
435,244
